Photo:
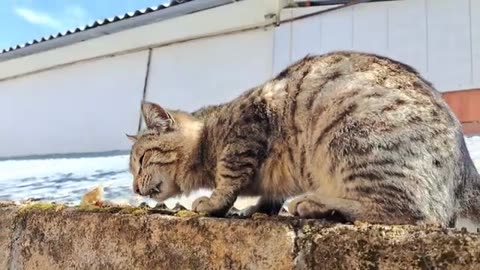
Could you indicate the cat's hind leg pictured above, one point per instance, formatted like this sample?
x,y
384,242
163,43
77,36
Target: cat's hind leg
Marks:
x,y
348,210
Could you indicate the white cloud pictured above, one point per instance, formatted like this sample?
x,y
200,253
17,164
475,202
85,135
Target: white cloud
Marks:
x,y
39,18
70,17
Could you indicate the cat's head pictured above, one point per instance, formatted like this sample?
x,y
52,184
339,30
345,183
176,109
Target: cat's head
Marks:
x,y
159,154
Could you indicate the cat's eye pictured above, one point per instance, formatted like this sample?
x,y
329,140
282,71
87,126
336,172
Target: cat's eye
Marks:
x,y
143,157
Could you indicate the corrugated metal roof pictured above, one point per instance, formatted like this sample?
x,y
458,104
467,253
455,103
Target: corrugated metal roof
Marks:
x,y
195,5
87,27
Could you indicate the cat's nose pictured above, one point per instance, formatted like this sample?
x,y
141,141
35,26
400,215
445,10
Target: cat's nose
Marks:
x,y
136,189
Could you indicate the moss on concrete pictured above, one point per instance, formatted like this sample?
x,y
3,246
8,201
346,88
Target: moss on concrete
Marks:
x,y
187,213
6,204
98,209
140,210
40,206
112,209
134,210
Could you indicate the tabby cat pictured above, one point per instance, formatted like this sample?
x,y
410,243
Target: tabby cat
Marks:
x,y
354,136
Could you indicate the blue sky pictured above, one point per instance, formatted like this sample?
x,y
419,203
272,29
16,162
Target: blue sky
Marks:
x,y
24,20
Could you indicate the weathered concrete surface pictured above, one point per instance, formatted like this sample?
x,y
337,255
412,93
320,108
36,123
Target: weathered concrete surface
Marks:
x,y
69,239
387,247
57,238
7,216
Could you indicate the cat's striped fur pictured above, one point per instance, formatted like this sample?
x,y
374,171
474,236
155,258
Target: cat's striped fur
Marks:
x,y
353,133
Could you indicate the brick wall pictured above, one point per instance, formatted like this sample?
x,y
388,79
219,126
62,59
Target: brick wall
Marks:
x,y
466,106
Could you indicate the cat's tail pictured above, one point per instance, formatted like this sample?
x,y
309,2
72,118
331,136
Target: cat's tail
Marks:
x,y
469,194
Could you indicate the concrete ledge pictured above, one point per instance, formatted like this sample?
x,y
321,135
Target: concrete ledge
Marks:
x,y
67,238
388,247
7,216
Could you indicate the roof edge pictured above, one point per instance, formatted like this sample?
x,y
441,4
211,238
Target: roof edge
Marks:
x,y
114,26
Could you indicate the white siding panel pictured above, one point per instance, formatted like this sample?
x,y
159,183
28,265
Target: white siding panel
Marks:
x,y
306,35
86,107
408,33
440,38
475,27
449,54
282,46
370,28
190,75
234,16
337,30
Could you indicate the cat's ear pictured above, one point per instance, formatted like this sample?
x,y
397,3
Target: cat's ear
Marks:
x,y
156,117
132,138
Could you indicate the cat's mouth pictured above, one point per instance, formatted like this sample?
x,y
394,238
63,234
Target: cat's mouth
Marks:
x,y
156,190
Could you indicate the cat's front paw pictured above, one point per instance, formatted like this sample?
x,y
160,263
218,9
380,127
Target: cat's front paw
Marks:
x,y
206,206
201,204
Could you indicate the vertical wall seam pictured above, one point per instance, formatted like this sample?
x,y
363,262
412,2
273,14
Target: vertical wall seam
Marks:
x,y
353,27
427,57
320,30
388,28
471,40
274,46
290,46
145,86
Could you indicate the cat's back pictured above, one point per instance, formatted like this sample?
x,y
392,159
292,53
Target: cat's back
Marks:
x,y
359,94
316,82
323,99
350,115
321,95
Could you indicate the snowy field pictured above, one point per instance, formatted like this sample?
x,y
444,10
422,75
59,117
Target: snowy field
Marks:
x,y
65,180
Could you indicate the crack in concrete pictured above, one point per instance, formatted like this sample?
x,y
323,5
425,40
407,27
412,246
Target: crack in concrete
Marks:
x,y
18,224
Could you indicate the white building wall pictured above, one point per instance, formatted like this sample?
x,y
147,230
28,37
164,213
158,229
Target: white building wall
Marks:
x,y
89,105
84,97
441,38
86,107
475,23
224,19
190,75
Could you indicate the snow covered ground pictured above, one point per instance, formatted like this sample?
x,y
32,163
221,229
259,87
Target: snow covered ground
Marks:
x,y
67,179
